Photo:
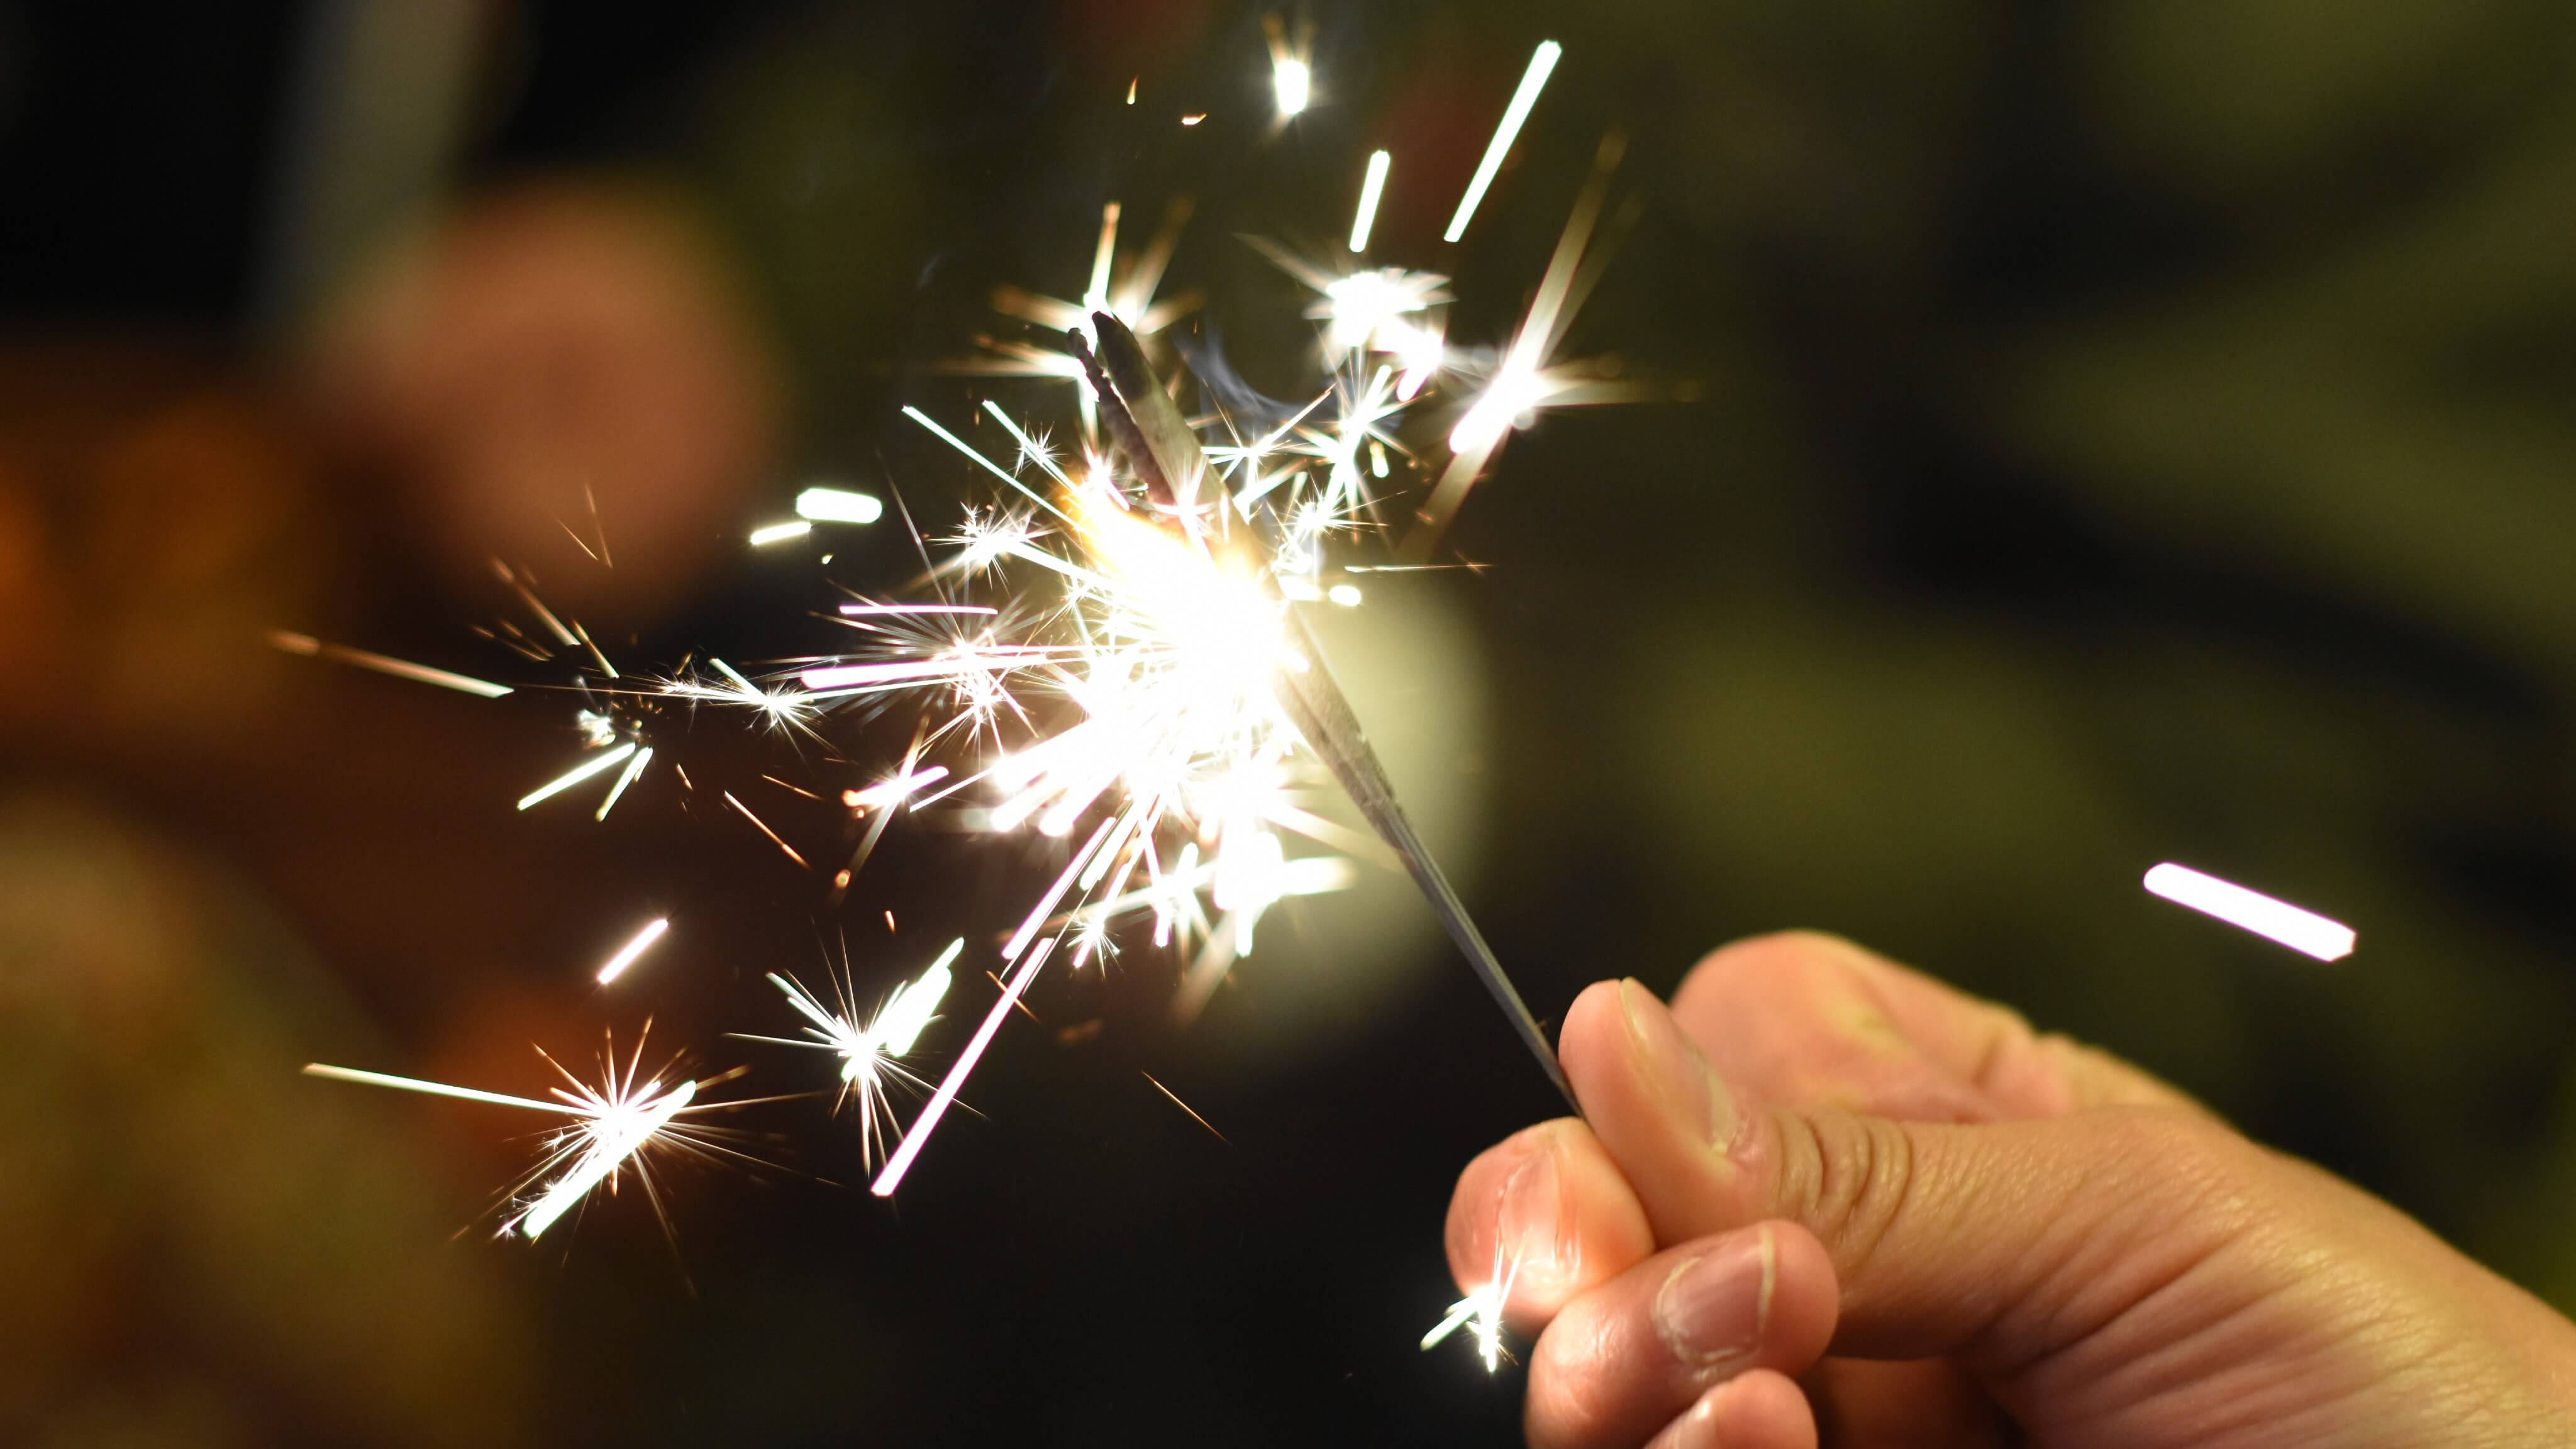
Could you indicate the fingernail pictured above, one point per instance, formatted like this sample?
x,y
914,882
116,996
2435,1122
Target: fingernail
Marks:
x,y
1529,1225
1690,1090
1713,1308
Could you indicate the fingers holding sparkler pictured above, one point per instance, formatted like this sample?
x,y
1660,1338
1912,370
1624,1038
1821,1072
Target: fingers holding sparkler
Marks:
x,y
1623,1360
1548,1210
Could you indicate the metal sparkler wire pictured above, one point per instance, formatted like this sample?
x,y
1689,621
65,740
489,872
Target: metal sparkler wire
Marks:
x,y
1139,415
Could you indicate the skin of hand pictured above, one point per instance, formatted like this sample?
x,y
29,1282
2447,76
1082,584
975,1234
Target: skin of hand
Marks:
x,y
1825,1195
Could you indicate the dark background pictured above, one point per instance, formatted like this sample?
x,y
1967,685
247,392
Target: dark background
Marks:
x,y
2118,432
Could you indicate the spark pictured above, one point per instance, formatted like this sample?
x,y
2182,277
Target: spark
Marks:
x,y
1372,186
891,1175
616,1135
634,768
1193,118
871,1053
613,1126
1481,1314
576,775
763,827
2300,930
1533,80
1364,309
1527,380
1184,1106
984,609
838,505
642,942
780,533
784,707
895,790
535,605
312,648
1292,71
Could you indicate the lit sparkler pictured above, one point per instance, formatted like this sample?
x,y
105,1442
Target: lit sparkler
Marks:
x,y
1112,654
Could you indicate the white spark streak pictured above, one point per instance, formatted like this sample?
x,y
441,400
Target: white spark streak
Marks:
x,y
634,768
2300,930
1481,1314
1533,80
779,533
612,1123
310,647
643,941
576,775
615,1135
1372,186
891,791
901,1162
838,505
985,609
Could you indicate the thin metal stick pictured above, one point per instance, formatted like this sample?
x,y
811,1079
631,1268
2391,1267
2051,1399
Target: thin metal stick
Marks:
x,y
1135,410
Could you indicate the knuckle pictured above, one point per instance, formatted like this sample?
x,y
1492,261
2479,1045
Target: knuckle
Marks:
x,y
1849,1178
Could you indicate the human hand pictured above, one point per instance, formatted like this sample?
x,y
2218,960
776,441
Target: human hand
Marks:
x,y
1818,1152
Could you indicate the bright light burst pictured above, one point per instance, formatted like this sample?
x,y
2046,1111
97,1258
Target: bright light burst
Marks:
x,y
870,1053
1292,68
613,1126
1481,1314
1099,653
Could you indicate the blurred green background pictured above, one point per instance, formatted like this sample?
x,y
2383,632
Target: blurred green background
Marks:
x,y
2116,432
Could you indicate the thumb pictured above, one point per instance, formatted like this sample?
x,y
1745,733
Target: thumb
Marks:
x,y
2004,1242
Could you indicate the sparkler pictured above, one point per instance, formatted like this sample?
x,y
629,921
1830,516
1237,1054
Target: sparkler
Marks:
x,y
1307,691
1112,657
